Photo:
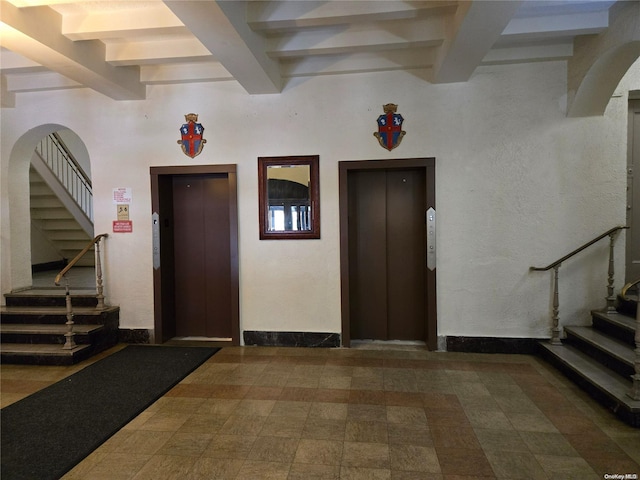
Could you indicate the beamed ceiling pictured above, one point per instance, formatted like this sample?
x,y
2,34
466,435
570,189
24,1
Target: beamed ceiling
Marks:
x,y
117,48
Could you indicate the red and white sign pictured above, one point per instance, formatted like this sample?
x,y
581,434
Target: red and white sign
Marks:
x,y
122,226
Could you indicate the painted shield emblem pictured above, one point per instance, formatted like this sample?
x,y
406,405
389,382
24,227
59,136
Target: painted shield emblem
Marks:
x,y
191,132
390,131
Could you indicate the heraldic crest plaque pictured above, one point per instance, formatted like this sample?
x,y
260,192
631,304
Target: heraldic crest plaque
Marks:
x,y
390,131
192,141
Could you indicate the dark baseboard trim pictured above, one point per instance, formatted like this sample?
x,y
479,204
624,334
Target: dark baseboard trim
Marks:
x,y
291,339
492,345
45,267
131,335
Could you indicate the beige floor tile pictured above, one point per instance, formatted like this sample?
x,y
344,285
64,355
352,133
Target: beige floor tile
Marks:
x,y
322,429
186,444
531,422
328,411
366,455
366,431
165,422
261,408
516,466
258,470
143,442
243,425
414,458
410,415
363,473
273,449
319,452
283,408
492,440
570,468
305,471
489,419
165,467
406,434
547,443
117,466
290,427
206,468
229,446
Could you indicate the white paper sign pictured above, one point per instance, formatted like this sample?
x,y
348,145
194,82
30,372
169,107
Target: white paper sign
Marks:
x,y
122,195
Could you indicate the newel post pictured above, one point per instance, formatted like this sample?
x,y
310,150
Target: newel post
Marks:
x,y
99,288
611,298
555,330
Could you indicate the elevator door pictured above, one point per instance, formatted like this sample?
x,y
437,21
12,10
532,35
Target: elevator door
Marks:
x,y
202,256
387,256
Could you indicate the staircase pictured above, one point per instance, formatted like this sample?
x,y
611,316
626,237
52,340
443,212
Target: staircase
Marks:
x,y
600,357
32,327
51,217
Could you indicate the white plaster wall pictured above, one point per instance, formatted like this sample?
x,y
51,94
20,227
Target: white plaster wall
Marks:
x,y
517,184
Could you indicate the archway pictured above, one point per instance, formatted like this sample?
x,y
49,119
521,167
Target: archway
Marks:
x,y
16,248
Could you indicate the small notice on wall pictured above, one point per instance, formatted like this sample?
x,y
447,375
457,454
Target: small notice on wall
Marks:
x,y
122,226
122,195
123,212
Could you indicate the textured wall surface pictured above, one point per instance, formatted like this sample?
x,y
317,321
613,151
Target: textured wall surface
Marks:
x,y
517,184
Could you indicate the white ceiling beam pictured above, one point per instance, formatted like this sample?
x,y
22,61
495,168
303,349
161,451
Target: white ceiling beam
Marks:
x,y
475,28
20,83
222,29
536,53
520,29
7,97
359,62
142,19
184,73
428,32
184,49
36,34
268,16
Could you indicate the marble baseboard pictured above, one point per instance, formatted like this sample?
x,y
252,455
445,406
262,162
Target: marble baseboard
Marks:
x,y
131,335
291,339
492,345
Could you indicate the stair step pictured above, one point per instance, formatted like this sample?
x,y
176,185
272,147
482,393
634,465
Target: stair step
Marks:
x,y
46,329
43,354
599,381
52,297
610,351
616,324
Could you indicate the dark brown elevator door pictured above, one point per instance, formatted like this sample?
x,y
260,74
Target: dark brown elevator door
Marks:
x,y
202,255
387,264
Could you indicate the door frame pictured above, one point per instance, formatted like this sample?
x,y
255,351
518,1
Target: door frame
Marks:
x,y
431,324
161,201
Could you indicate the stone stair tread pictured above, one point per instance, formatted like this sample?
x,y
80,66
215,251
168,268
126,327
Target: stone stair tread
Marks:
x,y
48,350
53,291
618,319
604,379
612,346
46,329
25,310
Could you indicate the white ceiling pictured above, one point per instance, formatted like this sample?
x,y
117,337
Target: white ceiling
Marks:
x,y
119,47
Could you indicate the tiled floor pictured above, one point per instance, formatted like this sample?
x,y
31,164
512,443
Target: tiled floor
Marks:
x,y
294,413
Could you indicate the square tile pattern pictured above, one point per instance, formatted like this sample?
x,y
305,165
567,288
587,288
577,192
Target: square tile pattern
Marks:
x,y
359,414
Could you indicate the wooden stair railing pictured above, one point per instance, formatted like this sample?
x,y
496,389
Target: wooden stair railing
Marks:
x,y
70,343
635,378
610,308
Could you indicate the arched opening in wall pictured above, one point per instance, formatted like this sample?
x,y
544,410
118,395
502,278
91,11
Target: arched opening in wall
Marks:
x,y
50,206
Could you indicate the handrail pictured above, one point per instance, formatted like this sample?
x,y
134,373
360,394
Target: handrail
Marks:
x,y
610,307
578,250
70,344
627,287
78,257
